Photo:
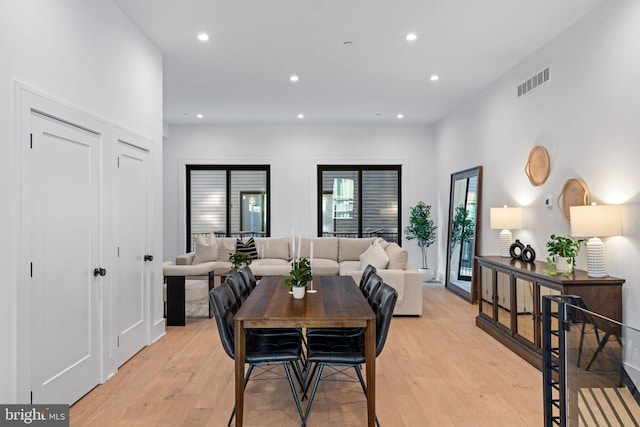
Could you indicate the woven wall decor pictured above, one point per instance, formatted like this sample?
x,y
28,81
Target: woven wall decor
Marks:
x,y
538,165
574,193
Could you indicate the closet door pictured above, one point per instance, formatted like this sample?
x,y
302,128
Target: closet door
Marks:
x,y
63,200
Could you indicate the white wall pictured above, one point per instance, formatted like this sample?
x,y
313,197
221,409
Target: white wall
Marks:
x,y
293,152
588,118
87,54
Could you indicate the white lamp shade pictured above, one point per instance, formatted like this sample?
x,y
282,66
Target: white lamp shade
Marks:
x,y
506,218
595,221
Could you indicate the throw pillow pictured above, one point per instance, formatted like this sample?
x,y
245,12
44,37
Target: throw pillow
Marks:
x,y
375,256
248,248
206,249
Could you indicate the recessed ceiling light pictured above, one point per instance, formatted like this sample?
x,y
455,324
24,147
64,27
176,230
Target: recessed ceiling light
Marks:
x,y
400,116
301,116
434,77
294,78
203,37
199,116
347,43
411,37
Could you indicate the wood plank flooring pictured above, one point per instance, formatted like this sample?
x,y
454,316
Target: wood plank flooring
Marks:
x,y
436,370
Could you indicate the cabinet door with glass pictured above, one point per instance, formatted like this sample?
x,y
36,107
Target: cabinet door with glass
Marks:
x,y
485,291
503,298
525,309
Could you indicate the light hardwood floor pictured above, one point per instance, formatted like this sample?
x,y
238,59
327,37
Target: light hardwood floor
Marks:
x,y
436,370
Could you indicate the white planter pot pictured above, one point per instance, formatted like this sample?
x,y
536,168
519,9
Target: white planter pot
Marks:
x,y
562,265
298,291
427,274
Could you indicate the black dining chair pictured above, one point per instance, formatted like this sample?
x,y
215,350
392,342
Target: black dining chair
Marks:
x,y
267,349
240,288
366,274
348,351
248,277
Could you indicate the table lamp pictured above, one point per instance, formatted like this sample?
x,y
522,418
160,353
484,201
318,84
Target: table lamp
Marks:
x,y
599,221
506,219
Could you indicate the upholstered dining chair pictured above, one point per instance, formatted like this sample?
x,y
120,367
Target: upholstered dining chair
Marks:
x,y
241,290
348,351
249,277
366,274
268,349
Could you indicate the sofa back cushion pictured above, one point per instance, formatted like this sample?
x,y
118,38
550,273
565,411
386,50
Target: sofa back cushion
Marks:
x,y
398,257
323,247
226,247
350,249
273,247
375,256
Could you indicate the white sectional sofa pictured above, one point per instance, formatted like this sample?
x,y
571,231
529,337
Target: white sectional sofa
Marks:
x,y
331,256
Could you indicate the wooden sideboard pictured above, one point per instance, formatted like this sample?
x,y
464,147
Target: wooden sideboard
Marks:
x,y
510,294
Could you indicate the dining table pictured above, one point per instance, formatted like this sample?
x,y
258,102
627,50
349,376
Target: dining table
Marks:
x,y
336,302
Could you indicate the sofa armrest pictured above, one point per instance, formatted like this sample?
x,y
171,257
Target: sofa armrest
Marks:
x,y
186,259
202,269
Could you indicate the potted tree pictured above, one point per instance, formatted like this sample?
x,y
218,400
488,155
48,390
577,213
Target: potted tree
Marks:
x,y
239,260
562,252
422,228
300,277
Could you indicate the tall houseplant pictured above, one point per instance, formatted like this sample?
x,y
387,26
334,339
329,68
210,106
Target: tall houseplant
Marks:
x,y
421,228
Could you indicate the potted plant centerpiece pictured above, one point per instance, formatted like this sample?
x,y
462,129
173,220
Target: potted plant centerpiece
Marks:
x,y
422,228
562,253
300,277
239,260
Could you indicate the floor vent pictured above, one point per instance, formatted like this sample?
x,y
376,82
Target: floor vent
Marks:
x,y
533,82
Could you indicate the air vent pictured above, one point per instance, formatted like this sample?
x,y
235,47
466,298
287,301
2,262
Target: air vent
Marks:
x,y
534,82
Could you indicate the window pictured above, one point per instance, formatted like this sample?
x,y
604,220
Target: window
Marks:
x,y
227,200
359,201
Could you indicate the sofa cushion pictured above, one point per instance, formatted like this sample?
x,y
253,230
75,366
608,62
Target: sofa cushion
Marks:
x,y
206,249
325,267
398,257
323,247
248,248
347,267
350,249
375,256
226,247
273,247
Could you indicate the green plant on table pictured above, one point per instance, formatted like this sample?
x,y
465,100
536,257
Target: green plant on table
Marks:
x,y
300,273
561,246
239,260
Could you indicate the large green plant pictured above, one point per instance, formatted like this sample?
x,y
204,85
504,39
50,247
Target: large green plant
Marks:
x,y
300,273
421,228
462,227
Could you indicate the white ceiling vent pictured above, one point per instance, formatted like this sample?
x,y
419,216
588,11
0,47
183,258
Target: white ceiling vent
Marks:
x,y
534,82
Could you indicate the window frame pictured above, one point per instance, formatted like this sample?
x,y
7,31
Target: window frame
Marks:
x,y
359,169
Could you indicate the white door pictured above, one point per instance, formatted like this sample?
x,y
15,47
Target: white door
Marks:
x,y
64,213
131,219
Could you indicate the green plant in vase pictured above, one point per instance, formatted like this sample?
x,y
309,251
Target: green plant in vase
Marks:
x,y
239,260
421,228
562,252
300,276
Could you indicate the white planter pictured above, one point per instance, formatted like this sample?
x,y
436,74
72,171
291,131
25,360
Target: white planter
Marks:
x,y
427,274
562,265
298,291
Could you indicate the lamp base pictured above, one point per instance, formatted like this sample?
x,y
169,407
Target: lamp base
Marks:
x,y
596,266
506,239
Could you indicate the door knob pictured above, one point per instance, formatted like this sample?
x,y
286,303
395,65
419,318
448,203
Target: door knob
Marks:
x,y
99,272
148,257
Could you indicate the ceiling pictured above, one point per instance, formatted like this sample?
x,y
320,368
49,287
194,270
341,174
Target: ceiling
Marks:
x,y
241,75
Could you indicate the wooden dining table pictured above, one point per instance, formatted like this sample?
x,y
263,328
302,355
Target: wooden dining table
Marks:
x,y
338,302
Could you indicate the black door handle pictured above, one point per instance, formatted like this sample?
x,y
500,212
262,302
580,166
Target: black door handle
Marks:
x,y
99,272
148,257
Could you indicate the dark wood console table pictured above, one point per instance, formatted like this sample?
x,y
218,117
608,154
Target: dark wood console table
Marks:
x,y
510,294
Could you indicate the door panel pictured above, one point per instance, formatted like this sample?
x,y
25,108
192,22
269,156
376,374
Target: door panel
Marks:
x,y
65,245
132,225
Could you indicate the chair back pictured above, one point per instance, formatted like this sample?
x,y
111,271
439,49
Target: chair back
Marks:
x,y
249,277
384,314
225,307
371,287
237,284
366,273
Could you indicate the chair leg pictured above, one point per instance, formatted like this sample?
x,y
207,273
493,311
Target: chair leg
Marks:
x,y
601,345
298,375
246,380
293,391
364,387
313,391
580,345
308,378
